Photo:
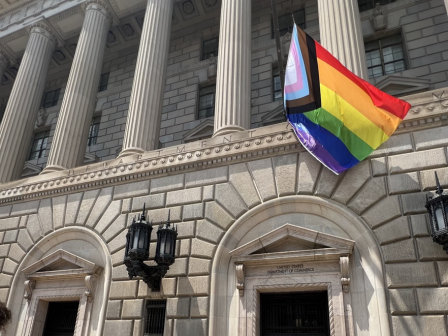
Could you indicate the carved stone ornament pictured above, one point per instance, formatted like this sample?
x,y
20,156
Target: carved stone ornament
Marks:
x,y
240,278
29,286
344,262
211,3
111,37
188,7
379,18
42,116
128,30
90,281
59,55
213,67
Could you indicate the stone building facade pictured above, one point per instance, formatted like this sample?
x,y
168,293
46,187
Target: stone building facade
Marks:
x,y
108,105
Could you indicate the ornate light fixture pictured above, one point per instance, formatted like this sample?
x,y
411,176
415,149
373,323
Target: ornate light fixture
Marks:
x,y
137,250
438,214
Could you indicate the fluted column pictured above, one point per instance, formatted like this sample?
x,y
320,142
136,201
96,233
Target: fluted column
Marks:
x,y
233,81
16,129
70,138
4,63
341,33
145,107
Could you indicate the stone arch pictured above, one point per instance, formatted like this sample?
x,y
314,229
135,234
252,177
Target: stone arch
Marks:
x,y
69,239
367,271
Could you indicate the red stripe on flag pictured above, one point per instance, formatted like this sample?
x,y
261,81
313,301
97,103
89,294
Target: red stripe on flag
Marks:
x,y
379,98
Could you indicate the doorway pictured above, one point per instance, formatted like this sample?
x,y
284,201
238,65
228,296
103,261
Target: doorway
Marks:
x,y
294,314
61,319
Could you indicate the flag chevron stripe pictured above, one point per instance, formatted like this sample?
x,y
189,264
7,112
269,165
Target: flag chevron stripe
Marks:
x,y
357,147
380,99
352,119
358,98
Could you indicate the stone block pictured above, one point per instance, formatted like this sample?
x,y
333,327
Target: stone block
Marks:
x,y
428,250
419,224
179,268
168,183
114,309
371,193
202,249
27,208
401,251
23,221
178,307
129,190
443,272
429,180
353,180
395,230
34,228
199,307
9,267
132,309
396,144
433,300
185,196
138,327
15,252
327,183
126,206
208,231
169,326
243,184
419,325
193,286
190,327
411,275
150,202
403,183
402,163
109,216
101,204
414,203
216,214
309,169
263,176
115,228
379,166
45,214
86,206
431,138
120,273
10,236
118,328
161,215
209,193
206,177
193,211
5,280
9,223
185,230
167,289
59,211
117,258
4,294
382,212
199,266
183,248
123,289
229,199
118,242
402,301
71,209
4,250
5,211
285,172
24,240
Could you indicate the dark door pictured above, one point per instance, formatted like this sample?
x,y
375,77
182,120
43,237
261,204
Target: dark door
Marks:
x,y
61,319
294,314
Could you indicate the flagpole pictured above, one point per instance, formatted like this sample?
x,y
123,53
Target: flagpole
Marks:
x,y
281,69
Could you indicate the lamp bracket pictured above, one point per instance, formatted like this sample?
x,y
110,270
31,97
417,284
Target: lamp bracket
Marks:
x,y
152,275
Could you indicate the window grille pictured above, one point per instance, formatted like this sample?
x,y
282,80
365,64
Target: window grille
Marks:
x,y
93,131
104,79
51,98
286,24
39,145
61,319
207,102
155,318
209,48
385,56
277,86
369,4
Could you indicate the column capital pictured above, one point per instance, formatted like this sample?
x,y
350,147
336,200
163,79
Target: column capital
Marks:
x,y
100,6
43,29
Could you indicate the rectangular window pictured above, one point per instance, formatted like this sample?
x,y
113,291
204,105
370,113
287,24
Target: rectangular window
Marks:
x,y
277,86
61,318
207,102
155,318
51,98
385,56
369,4
39,145
104,79
286,24
93,131
209,48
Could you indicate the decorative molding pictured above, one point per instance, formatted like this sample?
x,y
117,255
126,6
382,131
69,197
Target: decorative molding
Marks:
x,y
239,269
344,262
90,281
29,287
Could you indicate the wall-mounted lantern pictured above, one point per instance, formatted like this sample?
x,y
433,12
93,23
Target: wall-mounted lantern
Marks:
x,y
438,214
137,250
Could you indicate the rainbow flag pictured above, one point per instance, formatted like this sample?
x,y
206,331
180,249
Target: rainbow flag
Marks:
x,y
338,117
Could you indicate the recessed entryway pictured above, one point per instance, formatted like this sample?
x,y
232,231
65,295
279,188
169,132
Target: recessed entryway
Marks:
x,y
61,318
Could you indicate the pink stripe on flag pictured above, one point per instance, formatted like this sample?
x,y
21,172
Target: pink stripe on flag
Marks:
x,y
297,86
